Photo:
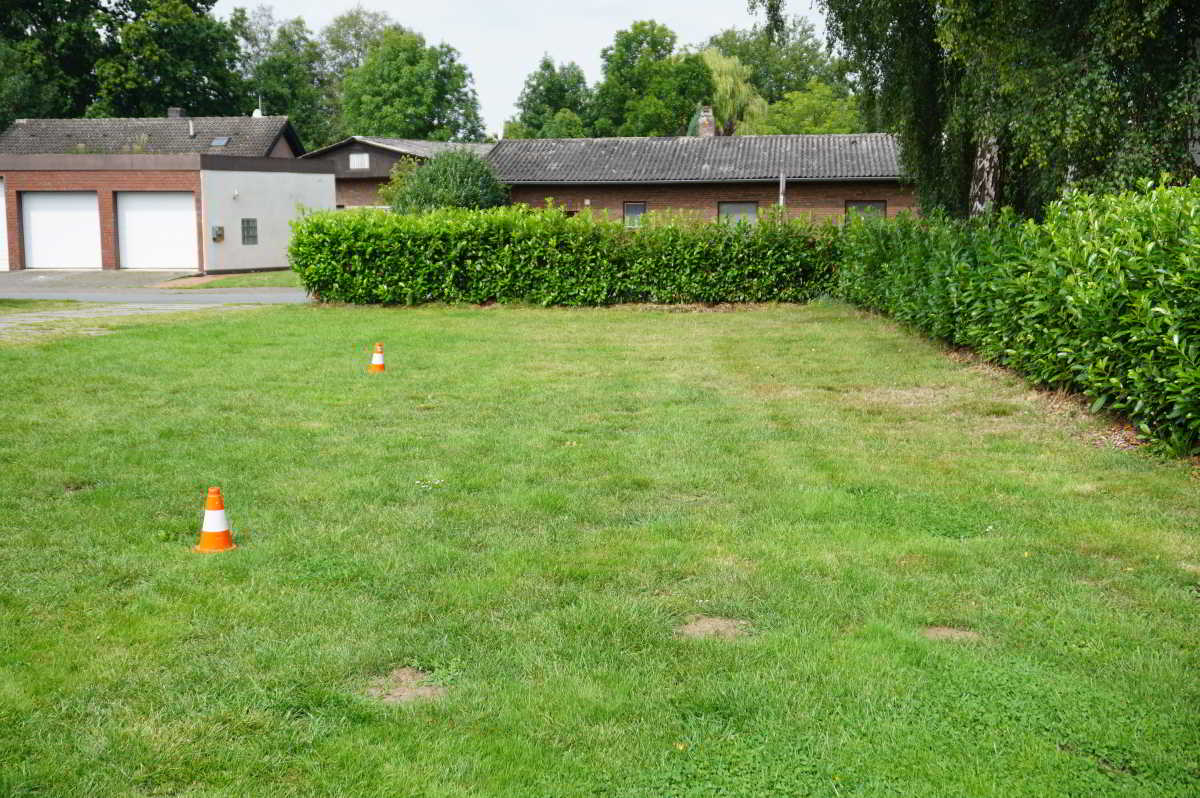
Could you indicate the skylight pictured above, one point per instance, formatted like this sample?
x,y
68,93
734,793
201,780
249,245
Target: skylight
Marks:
x,y
220,141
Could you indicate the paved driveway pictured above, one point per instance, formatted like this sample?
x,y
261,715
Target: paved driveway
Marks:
x,y
135,287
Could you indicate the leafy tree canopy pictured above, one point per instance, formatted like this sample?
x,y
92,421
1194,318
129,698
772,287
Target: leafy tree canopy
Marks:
x,y
169,54
815,109
549,90
782,61
1093,93
648,89
410,90
291,80
734,100
565,124
62,58
349,37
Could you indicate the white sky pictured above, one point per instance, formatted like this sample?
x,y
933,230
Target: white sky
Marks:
x,y
501,41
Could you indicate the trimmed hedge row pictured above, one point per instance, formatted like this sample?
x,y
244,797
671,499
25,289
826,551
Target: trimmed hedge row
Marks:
x,y
515,254
1103,297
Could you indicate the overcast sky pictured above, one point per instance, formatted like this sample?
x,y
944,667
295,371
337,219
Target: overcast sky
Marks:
x,y
501,41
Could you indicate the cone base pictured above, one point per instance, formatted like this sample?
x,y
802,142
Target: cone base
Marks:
x,y
373,369
214,542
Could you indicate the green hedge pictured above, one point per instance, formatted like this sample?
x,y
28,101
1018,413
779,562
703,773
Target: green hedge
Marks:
x,y
515,254
1103,297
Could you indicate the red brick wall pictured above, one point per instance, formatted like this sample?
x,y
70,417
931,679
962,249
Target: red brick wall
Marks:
x,y
818,200
356,191
106,185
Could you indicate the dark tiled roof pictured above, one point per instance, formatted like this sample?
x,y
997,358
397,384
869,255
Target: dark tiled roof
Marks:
x,y
696,159
418,148
248,136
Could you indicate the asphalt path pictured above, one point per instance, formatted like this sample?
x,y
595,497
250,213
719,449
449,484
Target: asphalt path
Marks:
x,y
132,287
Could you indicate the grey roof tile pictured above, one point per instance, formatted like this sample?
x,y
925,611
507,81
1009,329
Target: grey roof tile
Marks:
x,y
248,136
696,159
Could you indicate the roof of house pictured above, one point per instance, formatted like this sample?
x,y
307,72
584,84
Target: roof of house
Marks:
x,y
685,159
247,136
417,148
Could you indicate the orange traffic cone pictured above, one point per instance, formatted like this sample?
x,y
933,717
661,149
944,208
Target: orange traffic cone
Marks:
x,y
214,534
376,360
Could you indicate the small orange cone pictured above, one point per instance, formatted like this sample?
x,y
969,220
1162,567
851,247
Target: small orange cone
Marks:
x,y
214,534
376,360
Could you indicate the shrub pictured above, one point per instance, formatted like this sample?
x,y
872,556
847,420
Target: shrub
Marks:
x,y
1103,297
456,178
516,254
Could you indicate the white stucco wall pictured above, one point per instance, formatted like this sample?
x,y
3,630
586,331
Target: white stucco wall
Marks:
x,y
273,198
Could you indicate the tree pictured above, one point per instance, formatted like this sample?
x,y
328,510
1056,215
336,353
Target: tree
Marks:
x,y
350,36
815,110
773,12
565,124
291,80
1093,93
409,90
456,178
255,31
784,61
734,100
548,90
170,55
51,49
648,89
24,91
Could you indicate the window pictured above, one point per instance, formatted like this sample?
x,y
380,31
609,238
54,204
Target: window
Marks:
x,y
735,212
249,231
360,160
220,141
866,207
634,211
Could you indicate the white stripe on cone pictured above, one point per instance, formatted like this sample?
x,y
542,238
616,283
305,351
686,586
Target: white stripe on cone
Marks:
x,y
215,521
377,359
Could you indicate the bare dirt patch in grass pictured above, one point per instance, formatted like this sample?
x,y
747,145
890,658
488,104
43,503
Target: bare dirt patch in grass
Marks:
x,y
950,633
705,626
1117,432
405,685
698,307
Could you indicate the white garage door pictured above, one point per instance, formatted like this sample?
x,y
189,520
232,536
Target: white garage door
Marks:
x,y
3,230
62,229
157,230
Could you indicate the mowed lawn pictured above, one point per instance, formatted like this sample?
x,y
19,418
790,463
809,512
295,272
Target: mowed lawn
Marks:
x,y
944,586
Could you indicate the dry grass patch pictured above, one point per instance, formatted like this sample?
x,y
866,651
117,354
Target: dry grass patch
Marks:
x,y
405,685
950,633
706,626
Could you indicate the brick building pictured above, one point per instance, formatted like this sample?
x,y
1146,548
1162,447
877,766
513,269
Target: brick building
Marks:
x,y
820,176
204,194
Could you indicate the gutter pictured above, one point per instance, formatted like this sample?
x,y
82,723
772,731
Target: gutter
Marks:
x,y
876,179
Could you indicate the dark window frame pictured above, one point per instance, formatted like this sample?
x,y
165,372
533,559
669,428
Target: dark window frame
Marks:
x,y
630,224
857,206
250,232
738,217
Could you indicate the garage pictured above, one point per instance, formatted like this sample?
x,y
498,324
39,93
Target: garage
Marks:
x,y
157,230
61,229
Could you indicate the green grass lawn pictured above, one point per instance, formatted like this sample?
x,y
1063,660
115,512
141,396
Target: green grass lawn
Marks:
x,y
526,506
278,279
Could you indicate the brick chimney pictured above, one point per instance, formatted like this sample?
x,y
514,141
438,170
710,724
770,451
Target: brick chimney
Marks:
x,y
706,126
175,113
